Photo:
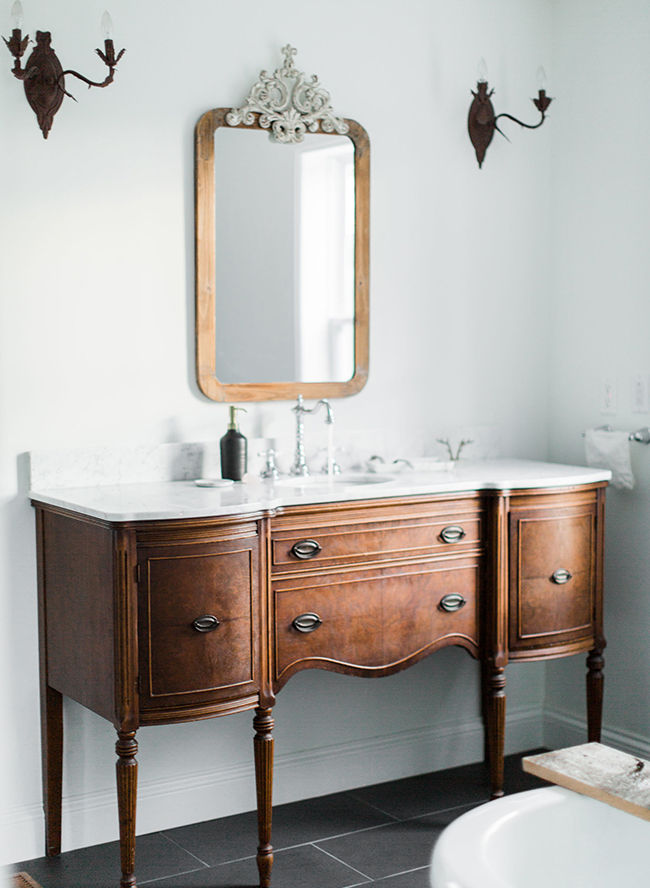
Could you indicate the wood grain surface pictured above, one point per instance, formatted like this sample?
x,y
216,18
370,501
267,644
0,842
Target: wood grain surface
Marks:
x,y
595,770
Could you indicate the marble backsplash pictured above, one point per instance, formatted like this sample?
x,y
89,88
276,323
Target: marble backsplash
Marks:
x,y
91,466
184,461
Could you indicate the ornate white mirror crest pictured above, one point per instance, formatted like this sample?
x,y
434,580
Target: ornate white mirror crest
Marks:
x,y
289,104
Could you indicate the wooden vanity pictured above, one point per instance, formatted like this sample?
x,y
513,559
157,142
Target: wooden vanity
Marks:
x,y
152,620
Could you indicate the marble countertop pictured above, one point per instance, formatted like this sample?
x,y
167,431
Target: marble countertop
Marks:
x,y
157,500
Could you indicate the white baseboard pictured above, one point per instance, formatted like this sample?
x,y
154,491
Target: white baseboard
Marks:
x,y
91,818
564,729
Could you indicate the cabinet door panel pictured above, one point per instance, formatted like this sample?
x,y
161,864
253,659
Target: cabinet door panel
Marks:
x,y
552,576
198,623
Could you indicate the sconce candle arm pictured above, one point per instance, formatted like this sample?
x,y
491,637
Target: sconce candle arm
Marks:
x,y
108,58
108,79
520,122
541,103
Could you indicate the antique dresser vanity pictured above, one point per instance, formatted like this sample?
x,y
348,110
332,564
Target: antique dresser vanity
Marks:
x,y
164,603
168,602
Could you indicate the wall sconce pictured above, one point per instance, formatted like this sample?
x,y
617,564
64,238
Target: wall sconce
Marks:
x,y
43,75
482,121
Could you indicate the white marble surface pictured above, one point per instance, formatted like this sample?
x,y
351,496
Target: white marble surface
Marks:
x,y
90,466
183,499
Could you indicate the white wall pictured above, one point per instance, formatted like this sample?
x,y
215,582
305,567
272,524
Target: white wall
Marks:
x,y
96,342
601,324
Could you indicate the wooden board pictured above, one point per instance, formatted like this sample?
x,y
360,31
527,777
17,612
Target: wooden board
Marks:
x,y
606,774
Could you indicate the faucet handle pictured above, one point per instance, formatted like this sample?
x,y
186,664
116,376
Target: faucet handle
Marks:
x,y
270,469
330,465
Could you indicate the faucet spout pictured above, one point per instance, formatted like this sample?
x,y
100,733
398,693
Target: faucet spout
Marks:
x,y
299,466
329,416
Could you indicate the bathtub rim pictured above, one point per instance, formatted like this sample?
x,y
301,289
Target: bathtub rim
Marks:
x,y
471,830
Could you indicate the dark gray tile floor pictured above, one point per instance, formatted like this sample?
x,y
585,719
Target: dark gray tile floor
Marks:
x,y
381,835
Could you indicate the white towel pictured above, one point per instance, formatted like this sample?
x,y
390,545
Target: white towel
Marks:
x,y
610,450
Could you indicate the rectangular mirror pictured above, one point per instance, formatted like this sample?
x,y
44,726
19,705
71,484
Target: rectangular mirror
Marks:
x,y
281,262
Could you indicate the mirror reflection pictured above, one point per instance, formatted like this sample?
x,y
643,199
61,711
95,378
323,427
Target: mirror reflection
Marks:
x,y
284,258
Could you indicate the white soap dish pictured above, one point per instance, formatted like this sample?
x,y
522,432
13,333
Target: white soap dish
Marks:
x,y
214,482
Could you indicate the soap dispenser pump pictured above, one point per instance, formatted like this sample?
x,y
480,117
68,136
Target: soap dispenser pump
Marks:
x,y
234,449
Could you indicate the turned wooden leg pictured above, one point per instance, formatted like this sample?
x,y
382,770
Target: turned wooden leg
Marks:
x,y
595,682
263,745
127,784
495,725
52,757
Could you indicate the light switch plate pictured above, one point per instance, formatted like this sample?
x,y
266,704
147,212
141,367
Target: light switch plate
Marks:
x,y
608,395
640,393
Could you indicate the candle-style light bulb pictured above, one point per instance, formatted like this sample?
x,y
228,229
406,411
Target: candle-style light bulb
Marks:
x,y
482,71
106,26
17,15
541,78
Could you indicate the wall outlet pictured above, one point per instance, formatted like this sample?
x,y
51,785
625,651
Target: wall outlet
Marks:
x,y
640,393
608,395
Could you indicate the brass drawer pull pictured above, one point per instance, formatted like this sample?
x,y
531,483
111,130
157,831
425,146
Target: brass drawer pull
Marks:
x,y
453,533
305,549
307,622
206,623
452,602
561,576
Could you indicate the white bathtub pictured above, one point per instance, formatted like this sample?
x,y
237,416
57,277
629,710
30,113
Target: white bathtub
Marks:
x,y
543,838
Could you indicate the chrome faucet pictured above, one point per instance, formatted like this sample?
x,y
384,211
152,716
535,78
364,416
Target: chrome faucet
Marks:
x,y
299,466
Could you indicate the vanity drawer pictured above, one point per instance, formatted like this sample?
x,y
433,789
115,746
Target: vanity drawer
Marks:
x,y
366,534
552,576
198,621
373,622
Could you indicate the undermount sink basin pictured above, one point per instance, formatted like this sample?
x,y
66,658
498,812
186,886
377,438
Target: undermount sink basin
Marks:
x,y
348,479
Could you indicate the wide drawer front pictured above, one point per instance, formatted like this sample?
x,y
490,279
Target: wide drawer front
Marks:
x,y
358,537
373,622
552,588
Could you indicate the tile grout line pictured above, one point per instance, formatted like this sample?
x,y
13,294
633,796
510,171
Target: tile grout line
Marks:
x,y
280,848
467,805
170,876
178,845
393,817
338,860
416,869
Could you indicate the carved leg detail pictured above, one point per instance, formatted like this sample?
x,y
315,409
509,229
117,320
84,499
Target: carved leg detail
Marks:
x,y
52,754
263,745
595,682
495,723
127,784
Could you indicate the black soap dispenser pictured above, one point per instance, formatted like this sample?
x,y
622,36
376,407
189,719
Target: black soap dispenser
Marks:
x,y
234,450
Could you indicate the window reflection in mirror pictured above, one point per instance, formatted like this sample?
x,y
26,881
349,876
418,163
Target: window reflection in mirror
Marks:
x,y
284,251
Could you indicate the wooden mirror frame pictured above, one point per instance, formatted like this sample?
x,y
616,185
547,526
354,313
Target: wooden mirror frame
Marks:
x,y
205,236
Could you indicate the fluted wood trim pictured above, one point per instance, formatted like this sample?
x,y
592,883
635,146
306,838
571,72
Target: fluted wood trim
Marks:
x,y
125,636
495,724
51,716
263,747
126,769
